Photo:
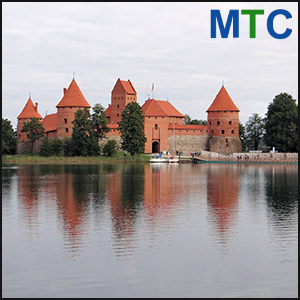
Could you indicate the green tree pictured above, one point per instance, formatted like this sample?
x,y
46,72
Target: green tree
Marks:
x,y
34,130
99,122
281,124
110,148
68,147
45,147
57,147
51,147
254,130
188,121
131,128
84,141
242,136
9,139
198,122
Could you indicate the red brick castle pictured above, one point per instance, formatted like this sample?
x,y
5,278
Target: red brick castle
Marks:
x,y
163,124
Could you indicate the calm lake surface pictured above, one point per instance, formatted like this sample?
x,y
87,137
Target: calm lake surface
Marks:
x,y
135,230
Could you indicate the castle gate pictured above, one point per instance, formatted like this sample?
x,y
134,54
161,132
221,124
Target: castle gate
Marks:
x,y
155,147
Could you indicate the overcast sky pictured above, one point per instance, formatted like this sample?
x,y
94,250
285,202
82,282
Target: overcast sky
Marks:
x,y
164,43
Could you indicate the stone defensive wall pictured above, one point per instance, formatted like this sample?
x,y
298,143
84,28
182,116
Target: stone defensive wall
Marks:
x,y
26,146
186,144
117,138
224,145
271,157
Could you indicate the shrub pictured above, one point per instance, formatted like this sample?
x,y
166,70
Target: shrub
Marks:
x,y
110,148
68,147
51,147
57,147
45,148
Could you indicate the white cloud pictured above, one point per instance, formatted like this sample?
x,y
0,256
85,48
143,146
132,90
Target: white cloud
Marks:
x,y
168,44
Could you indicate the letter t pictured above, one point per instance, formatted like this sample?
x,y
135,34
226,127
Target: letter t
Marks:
x,y
252,15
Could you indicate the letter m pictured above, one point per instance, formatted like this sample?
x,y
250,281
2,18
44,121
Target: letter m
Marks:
x,y
233,17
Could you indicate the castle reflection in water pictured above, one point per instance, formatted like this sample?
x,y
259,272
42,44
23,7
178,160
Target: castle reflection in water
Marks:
x,y
81,195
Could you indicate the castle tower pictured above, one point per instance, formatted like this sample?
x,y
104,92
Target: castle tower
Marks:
x,y
72,100
122,94
29,111
223,124
159,117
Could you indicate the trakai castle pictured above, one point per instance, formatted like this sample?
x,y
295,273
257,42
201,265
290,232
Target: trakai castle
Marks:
x,y
163,124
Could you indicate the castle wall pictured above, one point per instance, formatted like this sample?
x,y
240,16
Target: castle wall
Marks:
x,y
117,138
26,146
187,144
51,134
225,145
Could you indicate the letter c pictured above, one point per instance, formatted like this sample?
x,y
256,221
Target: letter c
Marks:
x,y
270,24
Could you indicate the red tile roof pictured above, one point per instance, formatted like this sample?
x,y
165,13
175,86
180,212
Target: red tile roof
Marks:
x,y
50,122
108,111
73,97
223,102
128,87
154,107
29,111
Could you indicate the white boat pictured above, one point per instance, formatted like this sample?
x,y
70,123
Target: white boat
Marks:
x,y
173,159
158,159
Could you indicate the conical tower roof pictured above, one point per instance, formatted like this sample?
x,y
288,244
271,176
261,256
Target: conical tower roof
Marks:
x,y
223,102
29,111
73,97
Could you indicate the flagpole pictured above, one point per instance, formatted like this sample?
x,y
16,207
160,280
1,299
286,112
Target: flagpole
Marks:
x,y
152,90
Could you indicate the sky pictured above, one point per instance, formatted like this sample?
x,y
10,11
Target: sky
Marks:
x,y
45,44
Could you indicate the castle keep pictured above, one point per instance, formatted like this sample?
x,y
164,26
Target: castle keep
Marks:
x,y
163,123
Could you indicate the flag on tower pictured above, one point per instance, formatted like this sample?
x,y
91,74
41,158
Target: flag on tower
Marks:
x,y
152,87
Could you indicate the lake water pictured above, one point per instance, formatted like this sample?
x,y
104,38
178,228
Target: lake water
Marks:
x,y
146,230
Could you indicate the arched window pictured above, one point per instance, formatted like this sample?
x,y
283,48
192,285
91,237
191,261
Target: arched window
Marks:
x,y
223,131
218,122
155,126
230,122
232,131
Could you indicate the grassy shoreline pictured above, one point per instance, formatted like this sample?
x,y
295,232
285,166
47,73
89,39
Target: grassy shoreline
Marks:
x,y
37,159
